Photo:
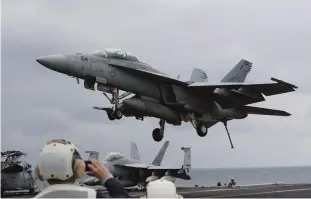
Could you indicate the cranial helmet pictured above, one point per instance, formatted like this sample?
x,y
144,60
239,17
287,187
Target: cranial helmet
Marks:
x,y
161,189
59,160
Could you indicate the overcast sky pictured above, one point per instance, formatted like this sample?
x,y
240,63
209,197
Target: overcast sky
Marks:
x,y
174,37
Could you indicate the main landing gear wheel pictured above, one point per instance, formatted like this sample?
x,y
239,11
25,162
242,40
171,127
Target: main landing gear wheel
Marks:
x,y
157,135
201,130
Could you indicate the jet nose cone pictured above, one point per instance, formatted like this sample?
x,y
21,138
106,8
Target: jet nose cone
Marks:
x,y
57,62
40,60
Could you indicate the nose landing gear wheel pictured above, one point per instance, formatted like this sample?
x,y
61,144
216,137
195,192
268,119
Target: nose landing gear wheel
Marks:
x,y
110,115
157,135
118,114
201,130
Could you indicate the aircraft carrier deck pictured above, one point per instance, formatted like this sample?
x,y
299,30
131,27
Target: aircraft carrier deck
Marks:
x,y
249,191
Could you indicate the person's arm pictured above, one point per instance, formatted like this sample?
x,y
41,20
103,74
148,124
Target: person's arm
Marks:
x,y
115,188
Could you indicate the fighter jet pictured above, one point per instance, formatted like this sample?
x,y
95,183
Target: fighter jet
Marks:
x,y
16,175
133,172
170,99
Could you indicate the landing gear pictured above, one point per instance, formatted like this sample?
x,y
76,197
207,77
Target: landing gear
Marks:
x,y
115,112
118,114
158,133
201,129
112,115
115,100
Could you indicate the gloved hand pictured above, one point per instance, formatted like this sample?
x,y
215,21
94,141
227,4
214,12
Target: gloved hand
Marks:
x,y
99,171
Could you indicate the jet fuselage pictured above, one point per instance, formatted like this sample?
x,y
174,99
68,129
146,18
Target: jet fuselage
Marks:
x,y
102,70
86,66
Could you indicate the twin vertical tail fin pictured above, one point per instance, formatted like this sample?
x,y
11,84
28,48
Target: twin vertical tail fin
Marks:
x,y
134,152
187,159
158,159
239,72
198,75
93,154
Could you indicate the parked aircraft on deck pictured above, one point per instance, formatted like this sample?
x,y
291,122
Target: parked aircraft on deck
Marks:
x,y
131,171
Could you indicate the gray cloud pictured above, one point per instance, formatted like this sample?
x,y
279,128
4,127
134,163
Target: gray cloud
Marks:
x,y
173,36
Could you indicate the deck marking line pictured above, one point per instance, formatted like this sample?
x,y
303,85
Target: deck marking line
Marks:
x,y
259,193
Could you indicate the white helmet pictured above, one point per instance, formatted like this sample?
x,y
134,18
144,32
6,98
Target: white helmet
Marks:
x,y
161,189
59,160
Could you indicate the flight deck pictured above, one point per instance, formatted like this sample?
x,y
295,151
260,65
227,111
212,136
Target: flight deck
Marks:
x,y
249,191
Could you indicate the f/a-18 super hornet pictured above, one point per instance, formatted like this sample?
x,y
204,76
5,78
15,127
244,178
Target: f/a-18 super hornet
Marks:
x,y
170,99
131,171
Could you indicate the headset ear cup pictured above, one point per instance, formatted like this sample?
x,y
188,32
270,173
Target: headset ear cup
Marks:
x,y
37,173
79,168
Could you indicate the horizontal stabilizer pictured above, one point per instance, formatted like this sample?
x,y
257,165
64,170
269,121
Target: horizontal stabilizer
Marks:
x,y
264,111
282,82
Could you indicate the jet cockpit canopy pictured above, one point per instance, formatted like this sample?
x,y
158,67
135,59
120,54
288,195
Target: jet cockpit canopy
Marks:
x,y
112,156
117,54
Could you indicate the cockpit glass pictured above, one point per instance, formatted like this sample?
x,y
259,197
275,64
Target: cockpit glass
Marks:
x,y
113,156
132,57
116,53
100,53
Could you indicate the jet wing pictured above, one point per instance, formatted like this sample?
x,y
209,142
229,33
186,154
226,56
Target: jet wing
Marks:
x,y
267,89
136,165
148,167
157,77
163,168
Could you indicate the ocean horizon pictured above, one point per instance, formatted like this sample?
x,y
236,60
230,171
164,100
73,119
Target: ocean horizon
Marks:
x,y
248,175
